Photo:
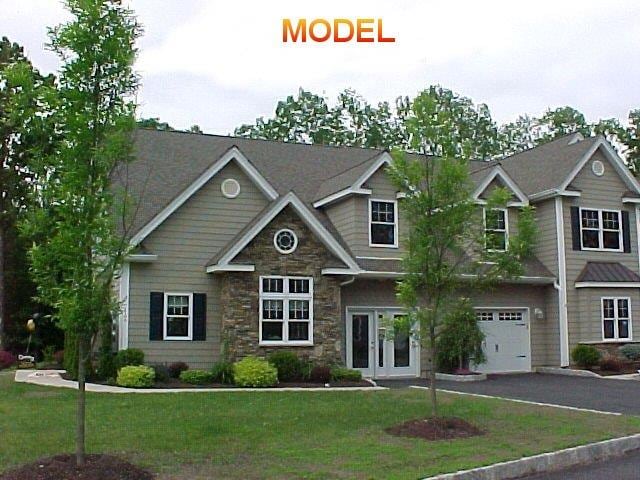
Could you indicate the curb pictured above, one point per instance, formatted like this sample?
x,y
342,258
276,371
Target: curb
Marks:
x,y
461,378
547,462
569,372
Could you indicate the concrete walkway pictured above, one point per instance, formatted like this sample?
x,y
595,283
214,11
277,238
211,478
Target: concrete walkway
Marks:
x,y
52,378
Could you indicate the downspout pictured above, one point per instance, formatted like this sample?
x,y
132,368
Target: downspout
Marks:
x,y
348,282
563,320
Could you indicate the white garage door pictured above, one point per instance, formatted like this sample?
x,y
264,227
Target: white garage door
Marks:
x,y
506,343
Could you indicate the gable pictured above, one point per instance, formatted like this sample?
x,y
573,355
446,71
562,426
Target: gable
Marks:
x,y
380,185
498,177
610,185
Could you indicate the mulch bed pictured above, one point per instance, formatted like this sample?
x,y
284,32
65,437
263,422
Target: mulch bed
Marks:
x,y
63,467
436,428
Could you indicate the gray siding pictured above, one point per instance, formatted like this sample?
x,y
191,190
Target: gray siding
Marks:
x,y
184,244
597,192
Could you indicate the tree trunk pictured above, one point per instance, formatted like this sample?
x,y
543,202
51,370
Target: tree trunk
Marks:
x,y
81,401
432,377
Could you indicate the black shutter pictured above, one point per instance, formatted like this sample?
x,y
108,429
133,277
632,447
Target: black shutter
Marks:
x,y
199,316
626,234
575,228
156,314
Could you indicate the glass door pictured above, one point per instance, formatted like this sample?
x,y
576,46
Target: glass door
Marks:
x,y
359,333
397,350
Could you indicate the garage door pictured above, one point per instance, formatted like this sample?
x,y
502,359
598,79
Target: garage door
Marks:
x,y
506,343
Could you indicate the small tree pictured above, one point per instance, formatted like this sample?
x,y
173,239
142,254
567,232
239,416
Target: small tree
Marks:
x,y
77,248
460,339
446,250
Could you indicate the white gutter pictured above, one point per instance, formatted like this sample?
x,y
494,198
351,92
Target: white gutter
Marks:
x,y
562,285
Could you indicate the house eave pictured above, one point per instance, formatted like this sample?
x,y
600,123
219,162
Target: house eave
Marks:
x,y
607,284
230,268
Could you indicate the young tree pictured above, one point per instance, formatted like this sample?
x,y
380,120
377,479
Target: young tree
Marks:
x,y
77,248
23,129
446,242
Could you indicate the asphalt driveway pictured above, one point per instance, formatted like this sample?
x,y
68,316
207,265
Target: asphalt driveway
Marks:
x,y
620,396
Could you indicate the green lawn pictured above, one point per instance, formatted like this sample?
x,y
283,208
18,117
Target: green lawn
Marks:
x,y
285,435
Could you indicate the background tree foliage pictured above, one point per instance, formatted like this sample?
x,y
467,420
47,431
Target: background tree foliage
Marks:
x,y
77,247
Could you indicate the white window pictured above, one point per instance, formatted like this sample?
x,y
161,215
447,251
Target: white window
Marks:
x,y
616,318
178,316
383,223
286,310
484,316
496,223
510,316
600,229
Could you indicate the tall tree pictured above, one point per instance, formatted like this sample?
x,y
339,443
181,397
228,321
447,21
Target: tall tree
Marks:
x,y
78,249
446,246
23,121
631,140
154,123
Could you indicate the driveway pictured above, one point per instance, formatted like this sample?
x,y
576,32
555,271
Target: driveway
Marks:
x,y
621,396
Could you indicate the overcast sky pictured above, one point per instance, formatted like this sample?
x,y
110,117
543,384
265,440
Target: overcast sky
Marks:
x,y
222,63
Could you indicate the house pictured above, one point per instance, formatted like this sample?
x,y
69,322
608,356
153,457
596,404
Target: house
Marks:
x,y
252,246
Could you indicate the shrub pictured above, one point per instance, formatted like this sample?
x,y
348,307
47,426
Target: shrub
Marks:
x,y
128,357
162,373
341,373
136,376
611,364
7,359
288,365
176,368
321,374
222,372
47,354
196,377
631,351
460,339
585,355
254,372
58,357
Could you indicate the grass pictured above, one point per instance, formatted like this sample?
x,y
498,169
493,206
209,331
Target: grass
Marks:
x,y
285,435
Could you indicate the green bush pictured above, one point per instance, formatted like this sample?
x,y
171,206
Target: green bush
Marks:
x,y
460,340
162,373
585,355
196,377
254,372
222,372
288,365
136,376
128,357
631,351
342,373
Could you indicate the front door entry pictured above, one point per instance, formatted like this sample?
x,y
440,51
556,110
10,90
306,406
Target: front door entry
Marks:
x,y
376,352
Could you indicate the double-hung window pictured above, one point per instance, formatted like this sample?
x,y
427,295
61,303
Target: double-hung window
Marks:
x,y
286,310
616,318
495,229
383,223
178,316
600,229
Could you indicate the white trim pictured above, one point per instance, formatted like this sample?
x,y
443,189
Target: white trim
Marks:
x,y
379,274
506,229
616,338
607,285
338,195
285,297
509,204
499,171
339,271
630,200
553,193
378,258
189,319
563,315
141,258
307,217
232,154
231,268
612,156
396,221
230,181
601,230
295,241
123,303
383,159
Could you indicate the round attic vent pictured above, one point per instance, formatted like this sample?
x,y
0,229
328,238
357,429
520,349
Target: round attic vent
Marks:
x,y
285,241
598,168
230,188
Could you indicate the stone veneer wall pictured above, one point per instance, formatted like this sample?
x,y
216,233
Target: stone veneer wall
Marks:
x,y
240,293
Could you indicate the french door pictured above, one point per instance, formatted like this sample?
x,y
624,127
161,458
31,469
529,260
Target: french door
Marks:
x,y
377,351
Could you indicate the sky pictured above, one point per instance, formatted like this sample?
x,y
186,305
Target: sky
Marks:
x,y
221,64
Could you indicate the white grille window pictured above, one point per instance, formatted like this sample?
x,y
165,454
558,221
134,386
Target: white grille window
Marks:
x,y
286,310
383,223
178,316
616,319
600,229
495,229
510,316
484,316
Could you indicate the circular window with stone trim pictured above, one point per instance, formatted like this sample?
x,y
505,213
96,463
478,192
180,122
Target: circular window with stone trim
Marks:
x,y
285,241
230,188
597,167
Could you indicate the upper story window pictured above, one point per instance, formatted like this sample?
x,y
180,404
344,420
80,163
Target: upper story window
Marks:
x,y
616,318
600,229
383,223
286,310
178,316
496,221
